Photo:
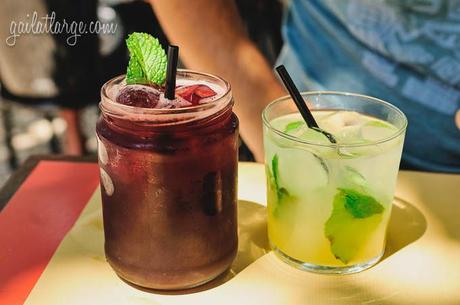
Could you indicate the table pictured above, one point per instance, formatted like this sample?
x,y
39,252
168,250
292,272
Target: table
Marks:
x,y
421,264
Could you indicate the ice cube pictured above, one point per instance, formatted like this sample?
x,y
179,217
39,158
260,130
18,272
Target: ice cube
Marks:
x,y
311,135
301,171
349,177
195,93
335,122
350,134
364,149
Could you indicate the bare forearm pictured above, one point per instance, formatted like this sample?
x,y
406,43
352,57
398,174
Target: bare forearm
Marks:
x,y
212,39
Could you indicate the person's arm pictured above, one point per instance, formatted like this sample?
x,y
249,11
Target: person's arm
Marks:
x,y
212,39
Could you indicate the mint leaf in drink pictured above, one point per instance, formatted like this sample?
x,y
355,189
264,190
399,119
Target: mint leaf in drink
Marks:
x,y
354,219
275,170
281,192
277,194
293,126
360,205
147,63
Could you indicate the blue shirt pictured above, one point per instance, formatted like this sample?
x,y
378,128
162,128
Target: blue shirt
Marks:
x,y
404,52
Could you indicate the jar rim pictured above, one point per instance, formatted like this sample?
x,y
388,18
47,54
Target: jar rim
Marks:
x,y
112,108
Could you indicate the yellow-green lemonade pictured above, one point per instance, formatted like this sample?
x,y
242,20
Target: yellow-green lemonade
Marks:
x,y
329,204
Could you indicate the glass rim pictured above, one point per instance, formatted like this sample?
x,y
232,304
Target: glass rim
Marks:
x,y
361,97
105,98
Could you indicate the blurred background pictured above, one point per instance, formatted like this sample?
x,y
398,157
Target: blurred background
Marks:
x,y
50,88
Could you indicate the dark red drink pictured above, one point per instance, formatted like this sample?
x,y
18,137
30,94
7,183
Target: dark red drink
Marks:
x,y
168,178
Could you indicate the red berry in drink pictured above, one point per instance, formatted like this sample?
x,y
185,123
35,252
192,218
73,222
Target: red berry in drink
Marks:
x,y
139,96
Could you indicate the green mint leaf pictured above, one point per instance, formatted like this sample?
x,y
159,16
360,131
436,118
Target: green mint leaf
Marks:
x,y
135,74
360,205
347,233
280,196
275,170
293,126
281,192
148,60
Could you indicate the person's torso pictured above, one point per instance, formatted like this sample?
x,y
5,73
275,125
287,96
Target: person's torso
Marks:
x,y
405,52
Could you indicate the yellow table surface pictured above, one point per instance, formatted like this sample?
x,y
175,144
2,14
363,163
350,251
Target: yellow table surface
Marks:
x,y
421,264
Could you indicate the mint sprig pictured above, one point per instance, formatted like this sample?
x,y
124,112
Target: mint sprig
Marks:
x,y
148,61
354,220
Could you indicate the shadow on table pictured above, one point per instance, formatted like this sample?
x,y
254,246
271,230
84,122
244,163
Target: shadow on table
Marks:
x,y
252,244
438,196
407,224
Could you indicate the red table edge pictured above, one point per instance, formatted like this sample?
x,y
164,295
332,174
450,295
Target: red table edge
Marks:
x,y
20,276
20,175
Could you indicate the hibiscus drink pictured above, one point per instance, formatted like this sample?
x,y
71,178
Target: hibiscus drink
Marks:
x,y
168,180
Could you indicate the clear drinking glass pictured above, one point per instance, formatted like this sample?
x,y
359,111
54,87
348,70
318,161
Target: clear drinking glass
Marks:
x,y
329,204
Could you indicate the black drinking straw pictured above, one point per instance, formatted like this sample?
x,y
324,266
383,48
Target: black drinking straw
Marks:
x,y
171,70
300,103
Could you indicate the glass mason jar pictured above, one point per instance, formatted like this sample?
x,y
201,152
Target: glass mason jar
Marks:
x,y
329,204
168,184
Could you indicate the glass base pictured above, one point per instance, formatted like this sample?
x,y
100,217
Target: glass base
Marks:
x,y
326,269
172,289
